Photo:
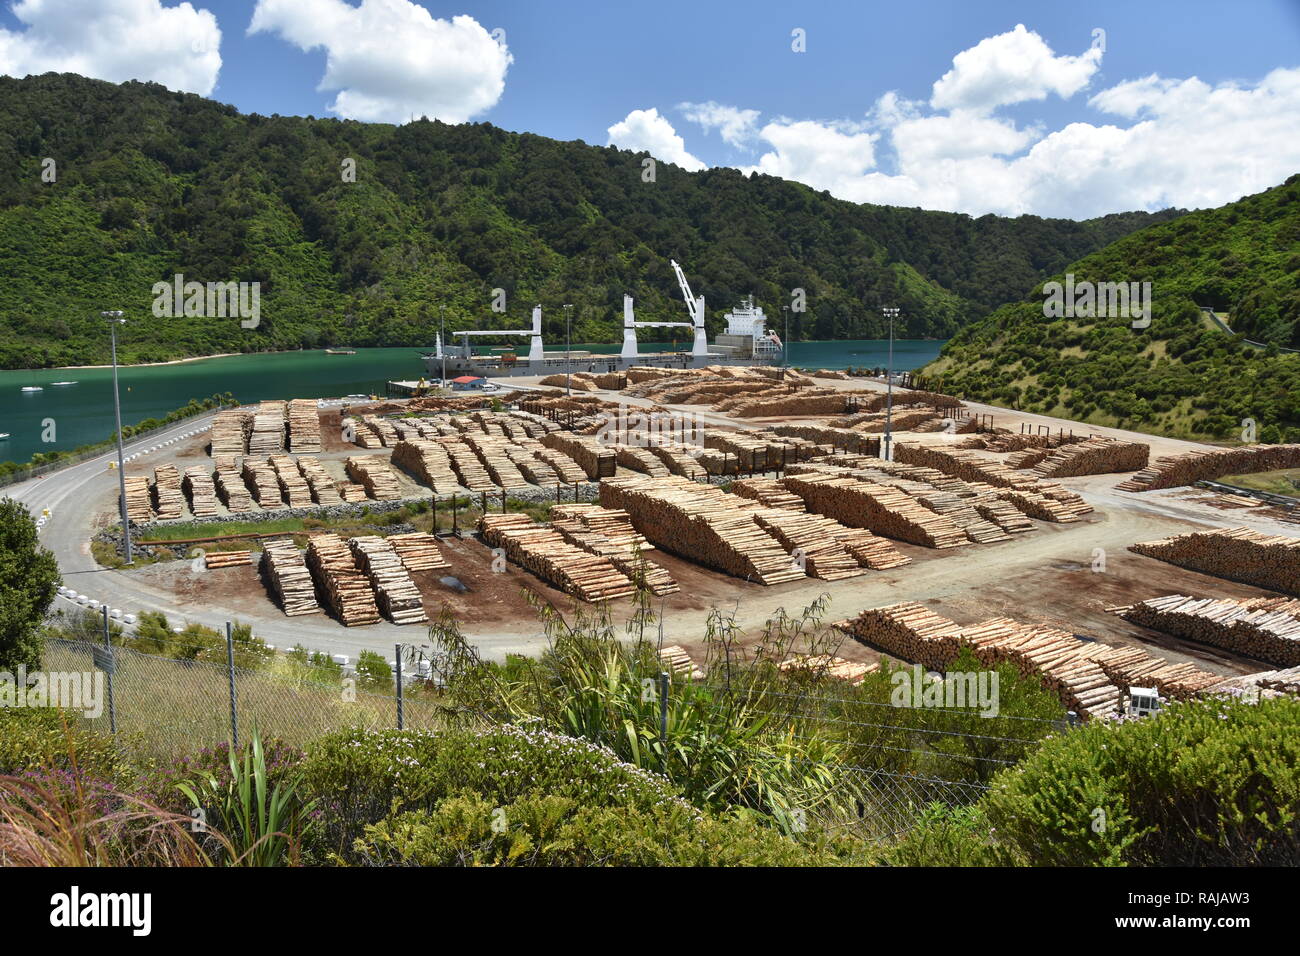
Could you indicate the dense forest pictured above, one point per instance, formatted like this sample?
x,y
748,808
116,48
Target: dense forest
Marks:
x,y
107,189
1183,375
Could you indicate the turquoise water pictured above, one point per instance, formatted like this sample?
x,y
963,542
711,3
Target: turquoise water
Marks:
x,y
83,413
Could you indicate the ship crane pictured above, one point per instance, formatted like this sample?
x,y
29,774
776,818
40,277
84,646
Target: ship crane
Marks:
x,y
534,335
694,306
630,325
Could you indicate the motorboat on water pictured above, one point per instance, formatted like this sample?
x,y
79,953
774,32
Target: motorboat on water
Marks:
x,y
32,388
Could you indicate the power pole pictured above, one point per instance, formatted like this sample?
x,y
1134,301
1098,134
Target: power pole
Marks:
x,y
891,312
115,318
568,361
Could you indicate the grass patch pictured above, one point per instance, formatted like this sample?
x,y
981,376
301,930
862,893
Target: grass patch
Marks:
x,y
1283,482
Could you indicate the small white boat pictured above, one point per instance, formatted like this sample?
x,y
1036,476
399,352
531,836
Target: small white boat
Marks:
x,y
32,388
62,383
3,435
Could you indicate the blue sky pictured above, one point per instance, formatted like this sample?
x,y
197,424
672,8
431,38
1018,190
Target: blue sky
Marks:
x,y
1191,77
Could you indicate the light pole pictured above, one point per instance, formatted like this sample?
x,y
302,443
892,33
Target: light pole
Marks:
x,y
442,342
568,362
114,320
891,312
785,343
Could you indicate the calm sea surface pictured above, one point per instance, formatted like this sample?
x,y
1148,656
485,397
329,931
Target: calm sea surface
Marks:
x,y
83,413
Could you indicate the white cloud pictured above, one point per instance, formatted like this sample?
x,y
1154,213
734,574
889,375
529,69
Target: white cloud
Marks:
x,y
647,130
736,126
1010,68
391,60
824,156
117,40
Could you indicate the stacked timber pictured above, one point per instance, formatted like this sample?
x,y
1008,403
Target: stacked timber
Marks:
x,y
202,492
323,488
1238,554
1096,456
828,402
469,470
768,492
826,665
304,426
703,524
350,491
419,551
491,451
383,429
347,588
261,477
846,438
1131,667
1028,458
363,435
544,552
811,540
1172,471
567,470
230,432
295,487
168,495
679,461
909,631
642,460
614,524
595,459
872,552
375,475
398,597
234,493
881,509
678,661
428,461
138,508
214,560
267,435
1264,628
534,470
289,579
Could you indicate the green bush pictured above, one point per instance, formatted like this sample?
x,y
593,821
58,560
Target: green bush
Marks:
x,y
373,671
1212,782
43,739
551,830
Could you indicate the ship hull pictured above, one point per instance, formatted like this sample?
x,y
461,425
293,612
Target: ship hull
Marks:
x,y
588,362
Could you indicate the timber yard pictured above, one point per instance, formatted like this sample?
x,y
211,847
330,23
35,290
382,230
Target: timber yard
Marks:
x,y
1099,559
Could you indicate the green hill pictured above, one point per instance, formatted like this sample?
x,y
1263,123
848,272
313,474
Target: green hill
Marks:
x,y
1181,376
150,183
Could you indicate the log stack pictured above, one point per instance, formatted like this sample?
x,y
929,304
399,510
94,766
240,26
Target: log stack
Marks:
x,y
491,451
304,426
214,560
1238,554
596,460
419,551
350,491
267,435
347,588
826,665
676,659
324,491
261,477
679,460
1264,628
544,552
375,475
1096,456
703,524
428,461
878,508
168,494
398,597
234,493
201,491
138,508
292,483
467,467
289,579
1172,471
642,460
566,469
230,432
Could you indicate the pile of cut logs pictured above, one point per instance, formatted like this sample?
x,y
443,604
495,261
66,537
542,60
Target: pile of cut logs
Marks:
x,y
1096,456
349,591
292,483
596,460
233,491
702,523
267,435
1238,554
350,491
287,574
470,472
1173,471
642,460
261,477
304,426
230,432
1264,628
676,659
168,495
213,560
835,438
824,665
202,493
375,475
138,508
419,551
878,508
544,552
323,489
566,469
428,461
398,597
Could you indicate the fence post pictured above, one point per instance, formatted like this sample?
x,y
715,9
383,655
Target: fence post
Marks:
x,y
230,671
663,711
112,664
401,716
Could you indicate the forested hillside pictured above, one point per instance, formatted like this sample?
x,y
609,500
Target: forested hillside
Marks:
x,y
1181,376
149,183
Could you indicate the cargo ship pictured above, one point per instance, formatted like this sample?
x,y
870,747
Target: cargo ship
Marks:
x,y
746,341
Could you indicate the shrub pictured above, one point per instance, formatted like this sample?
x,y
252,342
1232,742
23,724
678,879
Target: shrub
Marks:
x,y
373,671
47,739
